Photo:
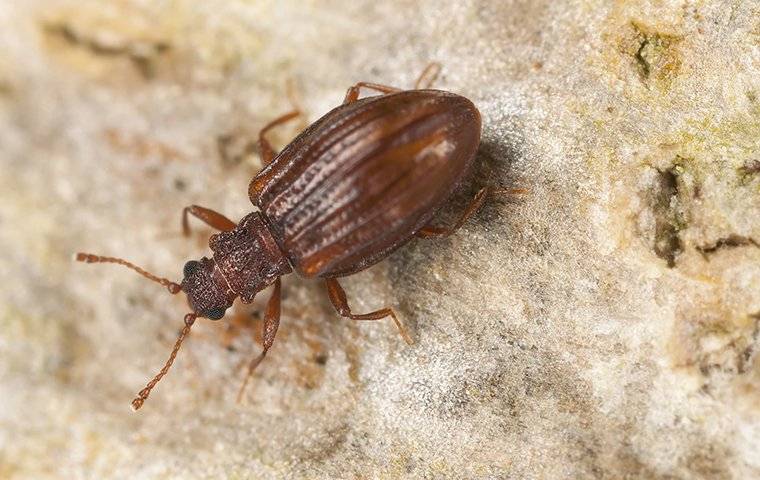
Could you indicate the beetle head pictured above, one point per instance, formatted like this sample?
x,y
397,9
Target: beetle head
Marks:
x,y
207,291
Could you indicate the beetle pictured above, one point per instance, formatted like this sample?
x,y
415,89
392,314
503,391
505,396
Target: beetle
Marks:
x,y
357,184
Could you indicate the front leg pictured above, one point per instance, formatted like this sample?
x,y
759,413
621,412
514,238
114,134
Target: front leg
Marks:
x,y
271,323
338,298
209,217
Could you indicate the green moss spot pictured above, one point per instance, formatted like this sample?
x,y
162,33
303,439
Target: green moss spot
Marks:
x,y
657,56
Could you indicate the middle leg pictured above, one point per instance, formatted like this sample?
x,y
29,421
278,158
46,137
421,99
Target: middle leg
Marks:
x,y
209,217
428,76
425,80
267,152
352,94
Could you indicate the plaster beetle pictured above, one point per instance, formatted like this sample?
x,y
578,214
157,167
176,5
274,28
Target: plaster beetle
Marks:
x,y
357,184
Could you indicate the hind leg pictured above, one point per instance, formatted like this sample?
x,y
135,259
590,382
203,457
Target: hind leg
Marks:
x,y
475,204
338,298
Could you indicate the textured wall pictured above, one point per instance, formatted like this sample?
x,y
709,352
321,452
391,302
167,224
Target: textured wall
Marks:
x,y
605,325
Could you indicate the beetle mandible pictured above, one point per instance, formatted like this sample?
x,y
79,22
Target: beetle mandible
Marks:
x,y
353,187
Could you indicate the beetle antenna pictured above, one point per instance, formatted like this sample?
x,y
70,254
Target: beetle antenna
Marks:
x,y
145,392
90,258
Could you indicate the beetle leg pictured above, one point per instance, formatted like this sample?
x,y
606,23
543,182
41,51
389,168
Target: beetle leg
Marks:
x,y
338,298
353,92
267,152
474,206
209,217
271,322
428,76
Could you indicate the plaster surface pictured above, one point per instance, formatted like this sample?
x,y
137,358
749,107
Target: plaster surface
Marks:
x,y
603,325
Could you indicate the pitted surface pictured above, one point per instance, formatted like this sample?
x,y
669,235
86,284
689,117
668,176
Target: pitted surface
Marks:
x,y
603,325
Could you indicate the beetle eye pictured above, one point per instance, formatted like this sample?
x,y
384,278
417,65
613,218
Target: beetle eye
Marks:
x,y
190,267
215,313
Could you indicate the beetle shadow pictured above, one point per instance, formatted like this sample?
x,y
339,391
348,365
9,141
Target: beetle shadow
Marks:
x,y
410,269
493,167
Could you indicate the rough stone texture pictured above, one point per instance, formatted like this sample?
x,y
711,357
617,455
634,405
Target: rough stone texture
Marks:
x,y
604,325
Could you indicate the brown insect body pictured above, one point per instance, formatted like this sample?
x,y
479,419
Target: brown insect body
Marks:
x,y
356,185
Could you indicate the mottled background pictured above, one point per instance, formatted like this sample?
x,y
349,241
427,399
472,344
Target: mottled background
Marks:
x,y
604,325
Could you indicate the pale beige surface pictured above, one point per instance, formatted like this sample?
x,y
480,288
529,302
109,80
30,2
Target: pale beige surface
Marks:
x,y
603,326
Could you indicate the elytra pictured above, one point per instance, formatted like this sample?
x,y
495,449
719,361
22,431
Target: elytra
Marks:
x,y
353,187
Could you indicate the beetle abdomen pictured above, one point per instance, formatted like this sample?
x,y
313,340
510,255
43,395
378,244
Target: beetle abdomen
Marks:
x,y
360,181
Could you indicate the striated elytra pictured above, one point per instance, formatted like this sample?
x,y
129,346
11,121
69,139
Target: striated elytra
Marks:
x,y
353,187
363,179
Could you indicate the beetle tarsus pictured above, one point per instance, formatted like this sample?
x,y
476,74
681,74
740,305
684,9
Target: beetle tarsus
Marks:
x,y
251,367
